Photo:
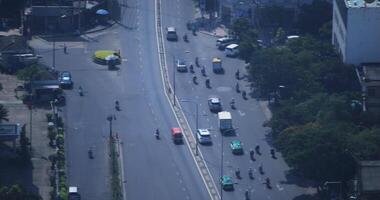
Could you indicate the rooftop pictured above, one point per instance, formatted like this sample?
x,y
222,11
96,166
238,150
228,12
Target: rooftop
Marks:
x,y
362,4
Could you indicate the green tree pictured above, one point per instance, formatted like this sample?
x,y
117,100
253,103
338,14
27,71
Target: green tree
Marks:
x,y
365,145
3,113
33,72
319,13
280,37
318,151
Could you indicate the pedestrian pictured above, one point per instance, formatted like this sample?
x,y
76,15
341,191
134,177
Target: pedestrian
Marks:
x,y
65,48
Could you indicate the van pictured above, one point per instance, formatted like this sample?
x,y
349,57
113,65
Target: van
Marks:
x,y
177,135
232,50
221,43
171,34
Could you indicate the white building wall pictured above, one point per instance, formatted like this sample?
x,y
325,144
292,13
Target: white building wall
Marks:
x,y
363,36
338,32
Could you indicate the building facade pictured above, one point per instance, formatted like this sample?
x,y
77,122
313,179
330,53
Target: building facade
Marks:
x,y
356,31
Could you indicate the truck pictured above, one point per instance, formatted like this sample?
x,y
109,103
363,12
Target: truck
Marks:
x,y
217,65
73,193
225,121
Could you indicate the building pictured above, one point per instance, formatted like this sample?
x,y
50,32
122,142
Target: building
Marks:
x,y
356,30
369,78
369,176
58,17
230,10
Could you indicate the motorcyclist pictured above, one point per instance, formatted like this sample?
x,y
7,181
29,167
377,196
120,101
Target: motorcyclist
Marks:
x,y
251,152
272,152
237,87
117,105
244,94
191,68
250,173
237,173
197,61
261,169
203,70
246,194
237,74
80,90
232,103
257,148
207,82
90,154
157,133
195,79
185,38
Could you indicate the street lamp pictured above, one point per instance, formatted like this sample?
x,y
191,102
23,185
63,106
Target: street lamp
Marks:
x,y
174,69
110,118
196,120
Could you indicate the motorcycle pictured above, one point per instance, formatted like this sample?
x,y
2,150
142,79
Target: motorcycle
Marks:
x,y
272,152
185,38
261,170
252,155
203,71
257,149
237,73
192,69
250,173
232,103
90,154
246,194
244,95
117,105
208,83
237,173
195,80
157,134
237,88
80,90
267,183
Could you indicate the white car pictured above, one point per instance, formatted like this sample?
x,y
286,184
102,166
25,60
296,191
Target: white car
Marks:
x,y
232,50
204,136
171,34
181,66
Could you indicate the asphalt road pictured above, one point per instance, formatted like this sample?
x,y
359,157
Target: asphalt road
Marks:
x,y
153,169
248,118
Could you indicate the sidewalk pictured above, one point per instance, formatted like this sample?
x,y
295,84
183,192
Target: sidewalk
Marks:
x,y
34,177
212,28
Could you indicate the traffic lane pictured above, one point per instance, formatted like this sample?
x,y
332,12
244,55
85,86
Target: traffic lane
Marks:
x,y
85,129
157,103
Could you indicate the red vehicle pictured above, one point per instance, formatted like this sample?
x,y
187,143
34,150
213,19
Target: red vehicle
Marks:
x,y
177,135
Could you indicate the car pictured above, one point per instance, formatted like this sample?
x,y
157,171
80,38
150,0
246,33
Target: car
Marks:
x,y
73,193
221,43
232,50
226,182
236,147
65,80
171,34
214,104
204,136
181,66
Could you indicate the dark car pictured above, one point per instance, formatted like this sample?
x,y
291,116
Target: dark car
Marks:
x,y
214,104
65,80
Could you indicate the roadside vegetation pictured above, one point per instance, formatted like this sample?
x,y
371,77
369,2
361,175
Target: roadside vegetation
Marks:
x,y
317,122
